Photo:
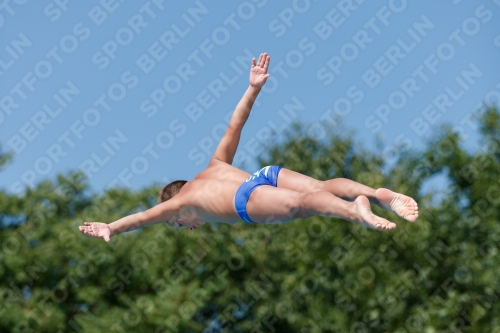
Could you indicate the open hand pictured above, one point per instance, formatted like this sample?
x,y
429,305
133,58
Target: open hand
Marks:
x,y
258,73
96,229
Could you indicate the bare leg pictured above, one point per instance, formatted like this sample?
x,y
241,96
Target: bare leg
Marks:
x,y
400,204
341,187
349,190
269,204
359,211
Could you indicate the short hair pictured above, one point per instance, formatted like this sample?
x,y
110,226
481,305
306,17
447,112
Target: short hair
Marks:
x,y
170,190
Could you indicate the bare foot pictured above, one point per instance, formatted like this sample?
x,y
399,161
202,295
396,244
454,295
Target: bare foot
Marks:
x,y
400,204
361,213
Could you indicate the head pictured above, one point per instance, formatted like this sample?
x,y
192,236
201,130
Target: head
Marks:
x,y
167,193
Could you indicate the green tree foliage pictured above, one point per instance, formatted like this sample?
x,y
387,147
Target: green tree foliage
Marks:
x,y
4,157
439,274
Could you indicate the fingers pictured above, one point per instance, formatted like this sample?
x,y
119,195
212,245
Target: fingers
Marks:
x,y
260,63
264,60
267,60
94,230
87,231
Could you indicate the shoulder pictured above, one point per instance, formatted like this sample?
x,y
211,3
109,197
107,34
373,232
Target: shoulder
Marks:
x,y
204,189
191,189
212,168
216,164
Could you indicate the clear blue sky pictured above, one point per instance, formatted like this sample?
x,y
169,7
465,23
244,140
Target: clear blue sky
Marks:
x,y
160,77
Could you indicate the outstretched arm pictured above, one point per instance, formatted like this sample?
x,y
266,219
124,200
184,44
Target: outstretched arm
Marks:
x,y
258,76
160,213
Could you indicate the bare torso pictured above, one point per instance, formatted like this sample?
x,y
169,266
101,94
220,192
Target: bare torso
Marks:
x,y
209,197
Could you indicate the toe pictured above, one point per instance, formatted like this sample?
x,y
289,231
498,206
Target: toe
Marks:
x,y
411,218
388,225
382,226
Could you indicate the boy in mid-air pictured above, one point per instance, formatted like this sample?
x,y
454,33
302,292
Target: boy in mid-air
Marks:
x,y
223,193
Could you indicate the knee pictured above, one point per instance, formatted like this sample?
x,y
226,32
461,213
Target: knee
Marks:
x,y
334,183
321,185
302,206
338,179
294,206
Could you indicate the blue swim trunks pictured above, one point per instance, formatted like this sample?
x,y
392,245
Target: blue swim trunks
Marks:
x,y
266,176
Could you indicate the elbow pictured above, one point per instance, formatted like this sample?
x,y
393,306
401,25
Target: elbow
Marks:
x,y
235,128
146,217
